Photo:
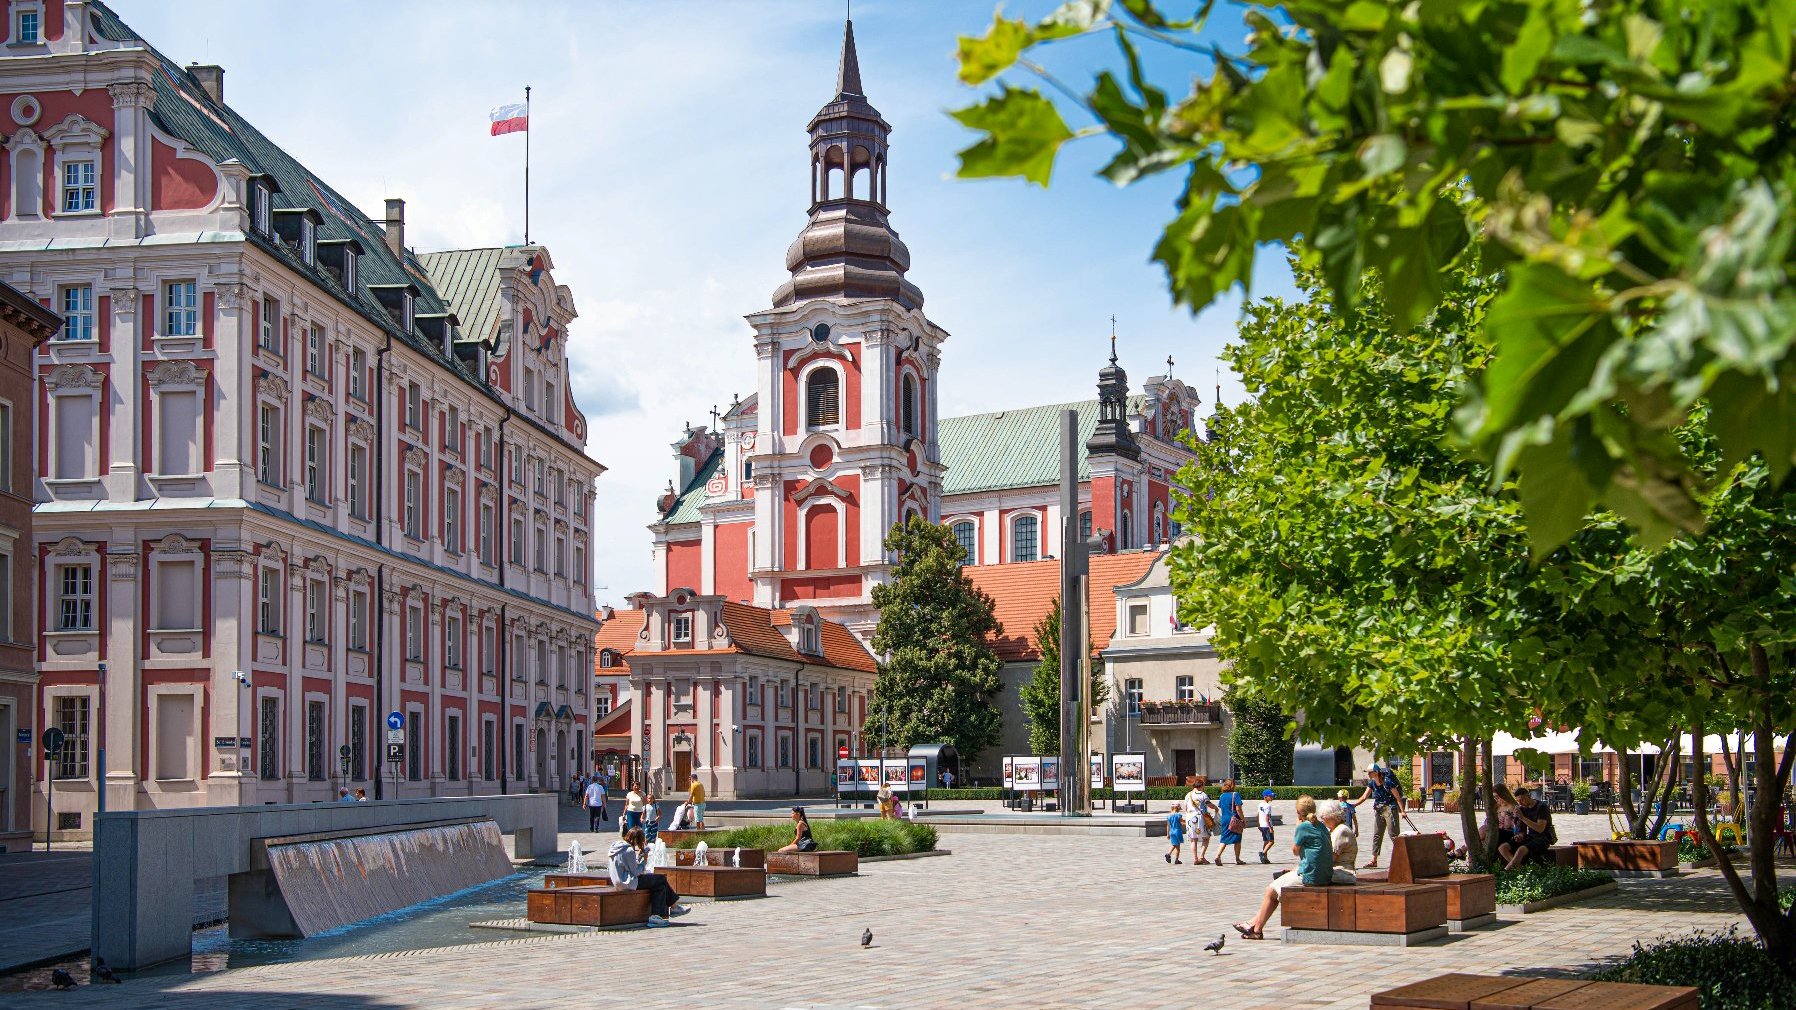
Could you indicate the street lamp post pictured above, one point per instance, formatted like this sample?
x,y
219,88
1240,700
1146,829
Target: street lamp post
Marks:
x,y
100,742
243,683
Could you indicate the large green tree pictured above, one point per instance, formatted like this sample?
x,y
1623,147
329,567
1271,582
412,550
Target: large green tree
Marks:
x,y
1623,173
1258,741
939,675
1040,695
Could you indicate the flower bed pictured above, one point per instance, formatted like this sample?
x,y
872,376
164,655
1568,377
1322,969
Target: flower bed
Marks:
x,y
1729,971
1540,881
868,838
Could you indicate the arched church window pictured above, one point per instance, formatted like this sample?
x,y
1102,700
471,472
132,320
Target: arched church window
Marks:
x,y
1085,526
966,534
1124,539
910,407
1159,524
1025,538
822,399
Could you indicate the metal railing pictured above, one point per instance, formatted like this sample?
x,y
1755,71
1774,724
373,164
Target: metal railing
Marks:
x,y
1181,713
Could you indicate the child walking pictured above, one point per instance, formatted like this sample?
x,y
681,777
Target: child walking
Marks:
x,y
1265,817
1175,834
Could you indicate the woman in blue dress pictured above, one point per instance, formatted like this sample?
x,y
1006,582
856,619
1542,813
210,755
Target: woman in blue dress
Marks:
x,y
1229,819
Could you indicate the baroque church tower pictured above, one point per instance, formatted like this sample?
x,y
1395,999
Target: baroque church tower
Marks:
x,y
843,444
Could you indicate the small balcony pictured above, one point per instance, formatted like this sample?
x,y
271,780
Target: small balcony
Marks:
x,y
1181,713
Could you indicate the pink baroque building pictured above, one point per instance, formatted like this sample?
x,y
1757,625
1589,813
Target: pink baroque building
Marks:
x,y
785,500
292,477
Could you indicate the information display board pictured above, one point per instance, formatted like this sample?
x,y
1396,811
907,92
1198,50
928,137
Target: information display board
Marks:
x,y
1097,771
1050,775
1009,777
897,775
1128,773
1026,774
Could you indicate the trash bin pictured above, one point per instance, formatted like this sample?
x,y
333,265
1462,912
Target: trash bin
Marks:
x,y
1027,802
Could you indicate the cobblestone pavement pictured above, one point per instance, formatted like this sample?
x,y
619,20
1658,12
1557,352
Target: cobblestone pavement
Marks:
x,y
1006,921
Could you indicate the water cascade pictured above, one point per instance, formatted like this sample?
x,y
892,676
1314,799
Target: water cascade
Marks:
x,y
317,884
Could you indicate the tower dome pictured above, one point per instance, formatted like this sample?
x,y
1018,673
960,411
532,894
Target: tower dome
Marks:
x,y
848,249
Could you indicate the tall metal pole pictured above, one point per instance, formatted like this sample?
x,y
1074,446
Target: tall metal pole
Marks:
x,y
100,740
526,164
1075,784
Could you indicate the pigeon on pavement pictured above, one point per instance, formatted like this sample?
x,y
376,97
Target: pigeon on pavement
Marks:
x,y
104,973
62,979
1216,946
867,938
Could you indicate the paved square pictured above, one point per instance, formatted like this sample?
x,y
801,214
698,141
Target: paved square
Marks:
x,y
1006,921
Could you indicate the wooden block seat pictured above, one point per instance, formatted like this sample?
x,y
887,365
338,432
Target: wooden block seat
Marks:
x,y
1629,856
674,836
1458,991
755,858
717,881
556,881
822,863
1562,855
1471,897
1380,914
587,906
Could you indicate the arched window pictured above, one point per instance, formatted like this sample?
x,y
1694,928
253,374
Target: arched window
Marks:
x,y
822,526
607,659
1124,540
1025,538
966,534
822,399
1085,526
1159,524
910,407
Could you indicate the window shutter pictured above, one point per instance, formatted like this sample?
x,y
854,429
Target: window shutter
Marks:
x,y
822,399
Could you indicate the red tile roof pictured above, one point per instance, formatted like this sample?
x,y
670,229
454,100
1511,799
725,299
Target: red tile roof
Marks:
x,y
753,631
619,635
1024,592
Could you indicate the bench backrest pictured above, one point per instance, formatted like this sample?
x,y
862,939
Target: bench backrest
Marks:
x,y
1417,857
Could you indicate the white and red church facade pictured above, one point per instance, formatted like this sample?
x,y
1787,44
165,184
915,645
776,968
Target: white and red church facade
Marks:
x,y
292,476
785,501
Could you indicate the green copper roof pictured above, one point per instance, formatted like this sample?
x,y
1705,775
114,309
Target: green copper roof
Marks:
x,y
469,279
685,509
1009,448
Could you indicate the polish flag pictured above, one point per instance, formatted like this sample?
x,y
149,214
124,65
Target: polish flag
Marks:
x,y
510,119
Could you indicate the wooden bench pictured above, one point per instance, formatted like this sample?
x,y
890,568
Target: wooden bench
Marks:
x,y
1630,857
822,863
755,858
717,882
587,906
1520,992
557,881
674,836
1471,897
1561,855
1394,915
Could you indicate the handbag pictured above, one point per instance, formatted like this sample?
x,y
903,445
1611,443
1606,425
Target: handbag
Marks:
x,y
1209,822
1236,825
807,844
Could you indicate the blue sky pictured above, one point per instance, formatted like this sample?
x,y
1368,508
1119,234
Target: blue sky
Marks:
x,y
668,177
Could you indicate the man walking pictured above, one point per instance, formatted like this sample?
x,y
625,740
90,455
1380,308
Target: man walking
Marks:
x,y
1386,795
595,803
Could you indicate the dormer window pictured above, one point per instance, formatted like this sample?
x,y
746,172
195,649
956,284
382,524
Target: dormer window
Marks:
x,y
349,269
264,209
808,640
27,24
407,311
681,628
308,241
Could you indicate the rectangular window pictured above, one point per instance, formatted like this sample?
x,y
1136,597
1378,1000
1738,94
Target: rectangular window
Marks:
x,y
317,467
270,336
77,313
358,371
579,565
414,406
264,209
75,598
560,556
358,619
602,704
541,471
27,33
754,691
350,272
358,481
452,744
176,600
308,241
530,389
517,540
72,719
452,642
1024,544
174,736
785,750
80,190
269,742
486,534
76,430
1185,688
539,549
813,752
517,465
181,309
318,614
317,359
517,749
268,602
177,431
358,743
5,597
488,649
782,697
452,519
268,445
753,756
682,627
967,536
1137,618
414,505
1132,694
842,699
488,729
414,745
452,429
414,632
5,447
315,766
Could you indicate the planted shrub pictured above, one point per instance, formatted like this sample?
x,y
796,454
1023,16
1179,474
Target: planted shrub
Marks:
x,y
1729,971
1539,881
868,838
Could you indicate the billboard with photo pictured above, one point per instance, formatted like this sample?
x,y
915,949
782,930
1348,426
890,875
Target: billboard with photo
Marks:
x,y
1050,775
1097,771
1027,773
1009,778
847,780
897,775
1128,772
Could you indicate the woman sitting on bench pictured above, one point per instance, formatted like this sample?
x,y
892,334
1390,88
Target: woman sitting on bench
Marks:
x,y
1315,866
801,833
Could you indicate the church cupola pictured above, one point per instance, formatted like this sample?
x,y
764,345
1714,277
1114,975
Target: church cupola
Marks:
x,y
1113,435
848,248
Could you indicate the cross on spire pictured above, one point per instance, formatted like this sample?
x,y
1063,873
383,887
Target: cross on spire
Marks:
x,y
1113,338
1169,366
713,417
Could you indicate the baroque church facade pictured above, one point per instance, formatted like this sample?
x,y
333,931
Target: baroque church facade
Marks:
x,y
782,505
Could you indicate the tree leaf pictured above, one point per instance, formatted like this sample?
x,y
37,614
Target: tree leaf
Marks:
x,y
1024,132
989,55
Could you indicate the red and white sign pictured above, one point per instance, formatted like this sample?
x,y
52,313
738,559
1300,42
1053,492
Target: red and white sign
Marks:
x,y
513,118
842,751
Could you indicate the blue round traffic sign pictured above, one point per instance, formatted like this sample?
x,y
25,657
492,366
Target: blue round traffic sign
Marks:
x,y
395,720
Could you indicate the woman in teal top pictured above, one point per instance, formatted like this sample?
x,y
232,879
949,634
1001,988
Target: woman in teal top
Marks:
x,y
1315,866
1229,819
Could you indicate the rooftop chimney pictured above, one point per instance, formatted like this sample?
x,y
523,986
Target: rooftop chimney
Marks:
x,y
210,77
396,226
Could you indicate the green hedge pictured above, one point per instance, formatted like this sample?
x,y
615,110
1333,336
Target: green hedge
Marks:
x,y
1729,971
1538,881
869,838
1159,794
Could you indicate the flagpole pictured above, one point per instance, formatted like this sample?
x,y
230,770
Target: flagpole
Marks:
x,y
526,164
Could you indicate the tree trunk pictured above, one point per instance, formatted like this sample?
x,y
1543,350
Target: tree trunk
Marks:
x,y
1665,784
1776,929
1628,811
1468,787
1488,850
